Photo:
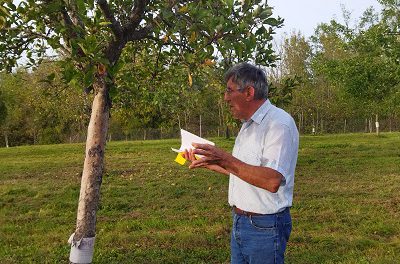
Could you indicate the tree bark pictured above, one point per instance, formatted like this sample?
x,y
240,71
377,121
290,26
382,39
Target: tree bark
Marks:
x,y
227,133
6,139
200,127
370,125
179,123
322,126
93,165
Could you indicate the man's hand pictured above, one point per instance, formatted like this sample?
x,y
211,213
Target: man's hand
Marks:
x,y
220,161
212,155
214,158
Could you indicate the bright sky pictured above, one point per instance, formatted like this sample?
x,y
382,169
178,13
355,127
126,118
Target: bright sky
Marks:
x,y
305,15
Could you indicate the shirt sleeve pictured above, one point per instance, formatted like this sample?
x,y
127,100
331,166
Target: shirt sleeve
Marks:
x,y
278,150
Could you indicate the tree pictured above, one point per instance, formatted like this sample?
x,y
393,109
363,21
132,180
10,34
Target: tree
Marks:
x,y
329,43
291,80
15,127
3,114
92,35
369,69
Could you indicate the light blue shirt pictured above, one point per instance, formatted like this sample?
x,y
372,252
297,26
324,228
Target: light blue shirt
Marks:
x,y
269,139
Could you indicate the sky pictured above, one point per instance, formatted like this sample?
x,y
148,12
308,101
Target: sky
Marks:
x,y
305,15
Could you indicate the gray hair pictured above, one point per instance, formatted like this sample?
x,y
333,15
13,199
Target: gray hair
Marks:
x,y
245,74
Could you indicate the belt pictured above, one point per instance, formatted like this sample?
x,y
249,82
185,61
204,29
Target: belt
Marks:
x,y
241,212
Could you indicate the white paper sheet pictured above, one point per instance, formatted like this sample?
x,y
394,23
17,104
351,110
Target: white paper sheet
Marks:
x,y
188,138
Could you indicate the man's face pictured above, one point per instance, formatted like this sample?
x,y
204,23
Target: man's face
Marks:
x,y
236,100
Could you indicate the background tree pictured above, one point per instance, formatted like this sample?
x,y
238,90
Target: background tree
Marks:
x,y
368,70
41,110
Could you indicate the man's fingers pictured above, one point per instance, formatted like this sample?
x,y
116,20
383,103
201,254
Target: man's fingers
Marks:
x,y
192,157
194,165
185,154
201,152
199,163
202,146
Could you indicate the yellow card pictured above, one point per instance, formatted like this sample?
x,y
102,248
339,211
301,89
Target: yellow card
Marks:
x,y
180,159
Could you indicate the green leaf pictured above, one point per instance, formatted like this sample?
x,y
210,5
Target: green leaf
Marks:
x,y
229,3
2,22
12,6
266,13
257,11
105,23
261,31
272,21
4,12
83,48
81,7
51,77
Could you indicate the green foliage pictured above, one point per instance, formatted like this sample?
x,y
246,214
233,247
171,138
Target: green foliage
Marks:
x,y
151,54
40,109
153,210
3,109
92,35
282,95
345,73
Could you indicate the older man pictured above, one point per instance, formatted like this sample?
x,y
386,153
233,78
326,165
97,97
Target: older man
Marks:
x,y
261,168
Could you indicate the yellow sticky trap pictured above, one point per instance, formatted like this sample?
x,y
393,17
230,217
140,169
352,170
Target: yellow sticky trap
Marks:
x,y
180,159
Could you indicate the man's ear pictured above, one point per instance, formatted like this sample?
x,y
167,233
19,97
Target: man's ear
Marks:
x,y
250,91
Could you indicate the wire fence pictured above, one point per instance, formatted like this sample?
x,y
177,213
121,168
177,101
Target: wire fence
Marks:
x,y
308,128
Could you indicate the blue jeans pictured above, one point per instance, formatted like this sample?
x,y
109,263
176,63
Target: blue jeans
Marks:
x,y
260,239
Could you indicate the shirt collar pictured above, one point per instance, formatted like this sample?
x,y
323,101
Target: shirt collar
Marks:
x,y
261,112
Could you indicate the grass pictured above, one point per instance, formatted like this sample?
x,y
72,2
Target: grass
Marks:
x,y
346,204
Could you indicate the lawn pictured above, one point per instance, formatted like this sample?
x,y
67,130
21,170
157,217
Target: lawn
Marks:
x,y
346,203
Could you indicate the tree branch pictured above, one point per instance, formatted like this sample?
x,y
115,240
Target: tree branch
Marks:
x,y
170,43
115,24
137,13
67,19
71,33
138,34
77,21
33,35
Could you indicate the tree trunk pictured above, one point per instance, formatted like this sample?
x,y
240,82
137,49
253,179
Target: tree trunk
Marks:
x,y
313,124
322,126
370,125
186,120
6,139
299,126
200,127
301,121
179,123
82,241
377,124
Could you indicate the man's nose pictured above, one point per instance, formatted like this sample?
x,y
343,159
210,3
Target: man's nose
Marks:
x,y
226,96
